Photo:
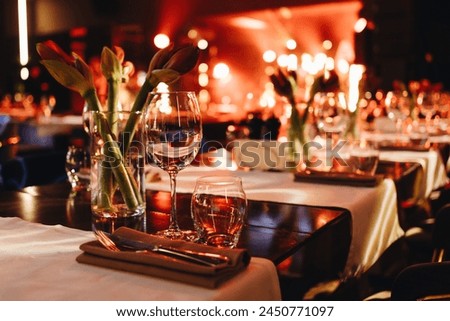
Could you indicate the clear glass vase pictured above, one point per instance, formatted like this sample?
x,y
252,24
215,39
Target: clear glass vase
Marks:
x,y
117,170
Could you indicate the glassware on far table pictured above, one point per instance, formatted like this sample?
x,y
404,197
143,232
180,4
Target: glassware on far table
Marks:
x,y
173,128
218,209
78,168
428,103
398,108
364,157
331,118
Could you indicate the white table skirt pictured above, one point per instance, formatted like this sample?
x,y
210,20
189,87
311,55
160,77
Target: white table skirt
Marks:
x,y
38,263
435,171
433,167
373,209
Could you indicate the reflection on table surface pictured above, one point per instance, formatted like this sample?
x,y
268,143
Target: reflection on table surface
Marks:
x,y
273,230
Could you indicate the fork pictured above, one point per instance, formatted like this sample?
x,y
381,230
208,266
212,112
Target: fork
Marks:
x,y
187,255
106,241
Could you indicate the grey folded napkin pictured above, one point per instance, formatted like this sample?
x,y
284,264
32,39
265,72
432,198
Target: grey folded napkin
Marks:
x,y
338,178
159,265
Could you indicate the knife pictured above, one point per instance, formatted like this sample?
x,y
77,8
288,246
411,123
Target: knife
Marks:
x,y
204,258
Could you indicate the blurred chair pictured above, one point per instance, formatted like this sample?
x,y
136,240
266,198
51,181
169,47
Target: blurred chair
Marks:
x,y
34,169
441,235
426,280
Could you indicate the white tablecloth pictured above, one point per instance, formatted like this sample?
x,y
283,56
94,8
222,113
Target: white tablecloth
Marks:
x,y
56,125
431,161
373,209
38,263
433,167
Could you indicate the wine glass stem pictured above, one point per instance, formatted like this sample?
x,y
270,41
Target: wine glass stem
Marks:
x,y
173,225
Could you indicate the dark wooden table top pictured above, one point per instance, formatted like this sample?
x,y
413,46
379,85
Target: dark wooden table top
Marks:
x,y
273,230
310,243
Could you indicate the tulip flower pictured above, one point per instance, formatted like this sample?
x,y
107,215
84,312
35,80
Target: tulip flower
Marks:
x,y
285,85
167,65
70,71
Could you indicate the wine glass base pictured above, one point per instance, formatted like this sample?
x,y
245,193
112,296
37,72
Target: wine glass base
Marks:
x,y
175,234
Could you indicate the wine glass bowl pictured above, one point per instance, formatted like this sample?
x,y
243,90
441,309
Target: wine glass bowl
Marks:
x,y
173,129
330,116
397,108
428,103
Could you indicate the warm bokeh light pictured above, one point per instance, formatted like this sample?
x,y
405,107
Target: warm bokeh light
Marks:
x,y
23,32
355,75
248,23
221,71
267,98
24,73
292,62
202,44
162,87
203,67
141,75
283,60
161,40
327,44
329,64
203,97
269,70
286,13
203,80
291,44
343,66
269,56
192,34
360,25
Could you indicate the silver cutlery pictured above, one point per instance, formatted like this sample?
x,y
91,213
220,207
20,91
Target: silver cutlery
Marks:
x,y
118,243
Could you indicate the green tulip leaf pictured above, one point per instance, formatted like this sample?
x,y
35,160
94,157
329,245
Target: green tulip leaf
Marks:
x,y
66,75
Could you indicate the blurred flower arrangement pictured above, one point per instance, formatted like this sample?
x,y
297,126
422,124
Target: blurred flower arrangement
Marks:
x,y
285,85
71,71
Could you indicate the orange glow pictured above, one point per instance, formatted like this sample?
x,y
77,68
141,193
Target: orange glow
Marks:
x,y
285,265
248,23
260,36
78,32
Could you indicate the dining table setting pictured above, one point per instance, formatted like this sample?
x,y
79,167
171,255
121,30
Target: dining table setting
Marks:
x,y
160,220
160,216
333,224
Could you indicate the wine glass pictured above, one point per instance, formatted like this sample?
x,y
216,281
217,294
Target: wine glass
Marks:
x,y
78,168
218,209
331,118
173,128
427,103
397,108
